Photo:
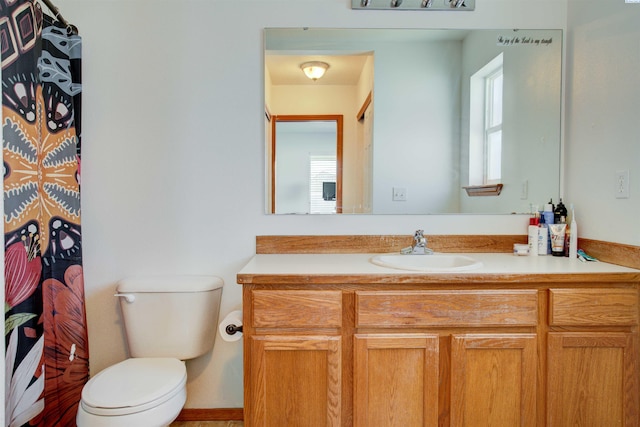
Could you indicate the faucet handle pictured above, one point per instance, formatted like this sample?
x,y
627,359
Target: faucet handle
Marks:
x,y
420,245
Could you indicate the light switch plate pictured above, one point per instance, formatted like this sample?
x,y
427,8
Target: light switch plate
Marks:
x,y
524,190
622,184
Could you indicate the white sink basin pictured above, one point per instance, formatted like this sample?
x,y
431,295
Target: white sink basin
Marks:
x,y
434,262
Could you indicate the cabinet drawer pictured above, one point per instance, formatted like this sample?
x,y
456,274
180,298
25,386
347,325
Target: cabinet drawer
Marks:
x,y
597,307
447,308
297,309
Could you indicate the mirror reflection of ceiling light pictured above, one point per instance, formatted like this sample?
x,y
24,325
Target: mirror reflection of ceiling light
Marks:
x,y
314,69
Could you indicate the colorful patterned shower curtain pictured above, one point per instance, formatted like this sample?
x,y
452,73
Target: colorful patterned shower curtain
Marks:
x,y
46,347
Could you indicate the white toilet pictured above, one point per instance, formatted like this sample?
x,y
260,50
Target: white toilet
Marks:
x,y
167,320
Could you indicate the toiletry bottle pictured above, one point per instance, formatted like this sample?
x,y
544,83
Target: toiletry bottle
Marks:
x,y
547,216
543,238
556,235
560,213
532,237
548,213
573,237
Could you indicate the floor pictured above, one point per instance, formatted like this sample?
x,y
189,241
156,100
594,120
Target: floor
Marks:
x,y
207,424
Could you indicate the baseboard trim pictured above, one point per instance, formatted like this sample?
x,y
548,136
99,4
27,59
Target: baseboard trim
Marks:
x,y
211,414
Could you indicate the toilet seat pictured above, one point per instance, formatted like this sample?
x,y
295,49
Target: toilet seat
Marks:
x,y
134,385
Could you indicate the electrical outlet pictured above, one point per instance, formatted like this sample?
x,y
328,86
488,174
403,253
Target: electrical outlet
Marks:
x,y
622,184
399,194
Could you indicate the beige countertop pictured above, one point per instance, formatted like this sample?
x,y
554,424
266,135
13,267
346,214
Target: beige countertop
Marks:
x,y
357,268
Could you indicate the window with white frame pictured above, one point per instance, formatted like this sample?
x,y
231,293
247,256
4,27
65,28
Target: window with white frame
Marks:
x,y
322,171
485,130
493,128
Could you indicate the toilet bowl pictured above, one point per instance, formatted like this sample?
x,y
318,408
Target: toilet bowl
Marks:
x,y
144,392
167,320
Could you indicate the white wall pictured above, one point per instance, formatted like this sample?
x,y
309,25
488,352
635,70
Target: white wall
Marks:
x,y
603,117
415,137
173,148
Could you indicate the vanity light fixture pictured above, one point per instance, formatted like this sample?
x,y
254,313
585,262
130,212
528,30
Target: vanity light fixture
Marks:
x,y
314,69
441,5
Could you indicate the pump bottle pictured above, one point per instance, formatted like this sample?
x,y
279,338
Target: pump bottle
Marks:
x,y
533,232
560,213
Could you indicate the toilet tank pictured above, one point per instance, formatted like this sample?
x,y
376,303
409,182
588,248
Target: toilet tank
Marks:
x,y
172,316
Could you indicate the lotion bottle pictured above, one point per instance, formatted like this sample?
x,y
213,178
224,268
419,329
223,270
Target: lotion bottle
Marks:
x,y
573,237
533,235
543,239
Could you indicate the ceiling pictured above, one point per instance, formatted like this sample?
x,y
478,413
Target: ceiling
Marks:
x,y
287,48
343,69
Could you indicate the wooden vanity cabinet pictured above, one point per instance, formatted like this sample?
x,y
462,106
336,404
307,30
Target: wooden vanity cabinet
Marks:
x,y
492,354
395,379
296,380
493,380
593,357
485,376
293,358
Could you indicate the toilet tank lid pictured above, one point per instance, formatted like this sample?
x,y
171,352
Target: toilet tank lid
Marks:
x,y
186,283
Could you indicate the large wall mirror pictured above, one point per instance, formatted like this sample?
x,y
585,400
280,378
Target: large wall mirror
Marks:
x,y
412,121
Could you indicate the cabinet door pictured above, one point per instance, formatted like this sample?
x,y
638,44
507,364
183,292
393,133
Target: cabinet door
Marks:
x,y
493,380
593,379
296,381
396,380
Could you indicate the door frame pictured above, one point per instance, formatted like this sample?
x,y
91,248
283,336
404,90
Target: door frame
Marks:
x,y
339,119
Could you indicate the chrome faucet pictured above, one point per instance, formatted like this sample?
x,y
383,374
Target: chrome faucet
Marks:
x,y
419,246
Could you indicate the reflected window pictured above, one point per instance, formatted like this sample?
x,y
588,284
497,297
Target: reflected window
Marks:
x,y
493,127
485,139
322,173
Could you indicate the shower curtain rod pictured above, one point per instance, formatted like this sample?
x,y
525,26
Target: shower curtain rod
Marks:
x,y
71,29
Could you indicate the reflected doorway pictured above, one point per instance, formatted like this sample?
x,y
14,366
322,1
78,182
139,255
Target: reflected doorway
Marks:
x,y
306,164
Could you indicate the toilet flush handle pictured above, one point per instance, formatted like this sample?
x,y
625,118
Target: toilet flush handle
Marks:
x,y
127,297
